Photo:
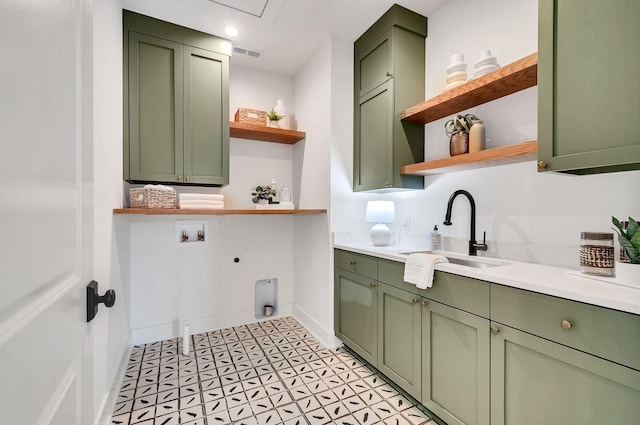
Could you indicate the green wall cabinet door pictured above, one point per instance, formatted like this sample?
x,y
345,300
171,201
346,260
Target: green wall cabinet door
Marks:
x,y
399,336
373,146
155,109
356,313
389,76
456,360
206,127
537,381
588,95
176,104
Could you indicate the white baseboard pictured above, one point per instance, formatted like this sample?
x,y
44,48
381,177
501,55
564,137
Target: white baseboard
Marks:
x,y
324,335
201,324
110,399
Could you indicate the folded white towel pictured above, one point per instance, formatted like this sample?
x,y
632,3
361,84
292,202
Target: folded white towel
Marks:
x,y
202,207
201,197
419,269
200,202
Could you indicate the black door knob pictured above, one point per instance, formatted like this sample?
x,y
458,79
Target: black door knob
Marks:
x,y
93,299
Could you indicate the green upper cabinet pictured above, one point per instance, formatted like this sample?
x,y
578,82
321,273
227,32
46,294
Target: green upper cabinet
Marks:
x,y
389,76
176,104
588,94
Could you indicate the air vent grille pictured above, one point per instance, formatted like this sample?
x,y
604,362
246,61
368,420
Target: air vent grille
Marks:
x,y
247,52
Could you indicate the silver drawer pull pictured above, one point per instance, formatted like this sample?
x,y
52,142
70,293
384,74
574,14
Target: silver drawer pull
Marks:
x,y
372,284
566,324
424,303
494,330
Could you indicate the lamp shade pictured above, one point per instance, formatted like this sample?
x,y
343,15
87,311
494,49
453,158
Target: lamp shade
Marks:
x,y
380,212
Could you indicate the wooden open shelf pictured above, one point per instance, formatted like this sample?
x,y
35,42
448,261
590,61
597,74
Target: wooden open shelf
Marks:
x,y
520,152
244,130
185,211
504,81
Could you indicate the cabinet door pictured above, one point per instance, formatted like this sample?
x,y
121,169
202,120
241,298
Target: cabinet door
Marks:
x,y
374,65
589,97
206,117
455,369
355,313
155,108
373,139
399,338
536,381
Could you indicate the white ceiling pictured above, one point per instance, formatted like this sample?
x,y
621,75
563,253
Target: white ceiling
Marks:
x,y
285,32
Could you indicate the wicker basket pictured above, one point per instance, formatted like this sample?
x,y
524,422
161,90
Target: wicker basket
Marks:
x,y
251,116
151,197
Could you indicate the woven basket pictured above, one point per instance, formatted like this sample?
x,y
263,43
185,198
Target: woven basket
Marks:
x,y
149,197
251,116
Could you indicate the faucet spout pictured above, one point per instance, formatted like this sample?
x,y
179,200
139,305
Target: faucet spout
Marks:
x,y
474,246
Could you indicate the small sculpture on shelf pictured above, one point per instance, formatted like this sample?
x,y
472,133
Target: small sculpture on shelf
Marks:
x,y
485,64
457,129
456,72
264,194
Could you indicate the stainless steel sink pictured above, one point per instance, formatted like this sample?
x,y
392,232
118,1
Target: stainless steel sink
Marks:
x,y
476,264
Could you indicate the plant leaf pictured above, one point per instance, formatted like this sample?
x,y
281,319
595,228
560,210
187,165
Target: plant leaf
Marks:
x,y
632,228
616,223
635,241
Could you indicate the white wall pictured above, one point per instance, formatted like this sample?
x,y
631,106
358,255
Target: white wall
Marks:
x,y
201,285
313,294
110,327
528,216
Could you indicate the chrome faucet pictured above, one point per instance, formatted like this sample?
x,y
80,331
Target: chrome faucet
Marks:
x,y
474,246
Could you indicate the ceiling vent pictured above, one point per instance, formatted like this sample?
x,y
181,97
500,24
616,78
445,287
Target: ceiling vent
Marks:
x,y
247,52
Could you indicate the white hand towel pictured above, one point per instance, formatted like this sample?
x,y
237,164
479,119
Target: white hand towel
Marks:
x,y
200,202
202,207
201,197
419,269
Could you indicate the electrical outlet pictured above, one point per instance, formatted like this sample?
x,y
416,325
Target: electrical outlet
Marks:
x,y
406,225
190,232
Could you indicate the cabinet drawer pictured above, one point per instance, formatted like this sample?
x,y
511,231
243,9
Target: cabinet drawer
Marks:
x,y
610,334
361,264
461,292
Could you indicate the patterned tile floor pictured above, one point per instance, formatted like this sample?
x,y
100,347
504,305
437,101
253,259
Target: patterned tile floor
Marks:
x,y
272,372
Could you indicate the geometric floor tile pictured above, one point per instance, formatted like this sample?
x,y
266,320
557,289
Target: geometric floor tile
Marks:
x,y
268,373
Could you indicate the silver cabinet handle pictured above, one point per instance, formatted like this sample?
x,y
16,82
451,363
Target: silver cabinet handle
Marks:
x,y
415,300
372,284
424,303
179,178
566,324
494,330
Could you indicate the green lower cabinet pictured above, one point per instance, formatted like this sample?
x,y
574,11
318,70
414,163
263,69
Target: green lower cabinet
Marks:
x,y
455,364
356,313
399,336
537,381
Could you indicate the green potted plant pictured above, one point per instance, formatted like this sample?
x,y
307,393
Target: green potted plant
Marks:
x,y
263,193
629,238
457,129
274,118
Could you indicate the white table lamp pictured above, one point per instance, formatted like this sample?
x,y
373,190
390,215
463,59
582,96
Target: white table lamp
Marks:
x,y
380,212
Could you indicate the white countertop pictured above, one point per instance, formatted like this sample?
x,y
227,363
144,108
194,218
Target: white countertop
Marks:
x,y
556,281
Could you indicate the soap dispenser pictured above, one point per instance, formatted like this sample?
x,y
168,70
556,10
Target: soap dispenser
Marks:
x,y
436,239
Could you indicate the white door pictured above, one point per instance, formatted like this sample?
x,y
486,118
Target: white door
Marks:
x,y
45,211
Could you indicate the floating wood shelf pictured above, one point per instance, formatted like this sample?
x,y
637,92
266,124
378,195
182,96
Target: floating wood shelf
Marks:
x,y
504,81
244,130
520,152
185,211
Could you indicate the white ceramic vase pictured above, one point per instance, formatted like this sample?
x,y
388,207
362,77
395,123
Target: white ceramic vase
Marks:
x,y
628,273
